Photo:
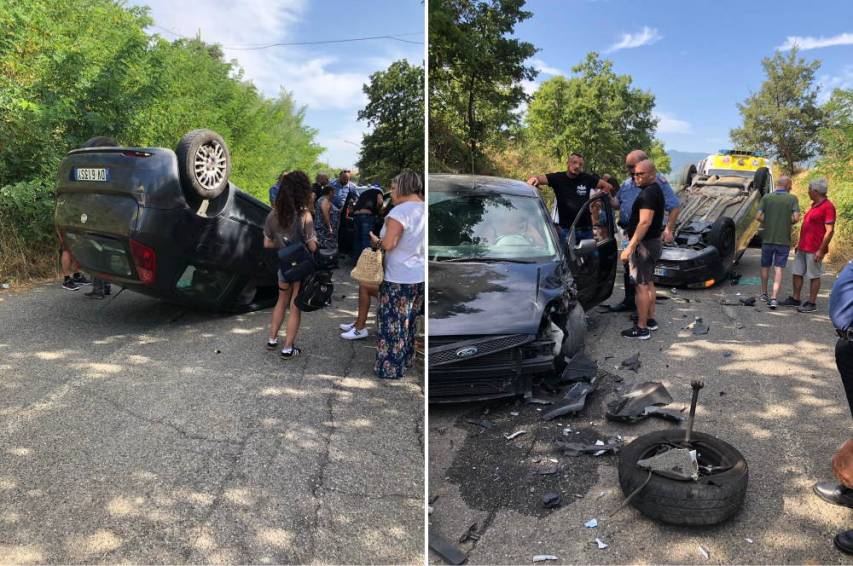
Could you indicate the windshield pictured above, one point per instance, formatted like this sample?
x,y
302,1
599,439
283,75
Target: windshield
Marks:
x,y
731,173
488,227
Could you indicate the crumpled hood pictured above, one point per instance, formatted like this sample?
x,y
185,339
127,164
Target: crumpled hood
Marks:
x,y
484,298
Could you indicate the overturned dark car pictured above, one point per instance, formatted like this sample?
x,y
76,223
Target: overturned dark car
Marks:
x,y
718,221
506,303
166,223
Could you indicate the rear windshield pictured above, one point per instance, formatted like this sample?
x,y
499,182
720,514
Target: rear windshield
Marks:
x,y
100,254
488,226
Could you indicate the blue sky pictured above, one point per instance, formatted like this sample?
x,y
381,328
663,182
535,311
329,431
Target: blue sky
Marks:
x,y
699,59
327,79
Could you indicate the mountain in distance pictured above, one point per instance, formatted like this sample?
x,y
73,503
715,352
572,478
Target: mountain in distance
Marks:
x,y
679,159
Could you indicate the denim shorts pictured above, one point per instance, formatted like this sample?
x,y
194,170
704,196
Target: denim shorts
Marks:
x,y
774,254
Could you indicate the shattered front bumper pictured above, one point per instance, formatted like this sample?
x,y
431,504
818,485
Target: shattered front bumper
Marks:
x,y
688,267
507,372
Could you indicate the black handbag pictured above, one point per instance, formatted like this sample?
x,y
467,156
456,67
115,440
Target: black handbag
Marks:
x,y
295,260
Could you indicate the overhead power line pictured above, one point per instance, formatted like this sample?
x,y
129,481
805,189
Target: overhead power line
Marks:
x,y
256,47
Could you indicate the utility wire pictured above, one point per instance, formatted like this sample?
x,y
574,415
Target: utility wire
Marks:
x,y
256,47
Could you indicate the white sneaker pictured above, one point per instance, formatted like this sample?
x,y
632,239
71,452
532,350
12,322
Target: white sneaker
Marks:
x,y
347,326
353,334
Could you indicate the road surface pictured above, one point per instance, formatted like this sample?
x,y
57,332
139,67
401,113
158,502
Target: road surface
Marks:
x,y
136,431
771,390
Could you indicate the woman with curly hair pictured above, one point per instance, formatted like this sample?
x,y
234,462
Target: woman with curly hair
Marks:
x,y
290,221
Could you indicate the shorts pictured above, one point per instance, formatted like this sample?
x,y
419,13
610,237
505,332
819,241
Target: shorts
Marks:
x,y
775,255
805,264
641,264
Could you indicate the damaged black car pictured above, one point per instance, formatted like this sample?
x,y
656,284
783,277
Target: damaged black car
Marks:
x,y
506,300
168,224
718,221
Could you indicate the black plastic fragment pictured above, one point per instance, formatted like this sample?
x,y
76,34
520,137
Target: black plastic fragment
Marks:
x,y
443,548
551,500
632,363
580,367
572,401
570,448
631,406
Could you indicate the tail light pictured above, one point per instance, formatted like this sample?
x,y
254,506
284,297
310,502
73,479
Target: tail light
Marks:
x,y
145,260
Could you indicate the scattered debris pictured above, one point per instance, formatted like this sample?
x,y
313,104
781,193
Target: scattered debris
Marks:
x,y
515,434
430,509
675,463
544,557
470,534
634,404
551,500
735,277
632,363
747,301
537,401
698,326
443,548
484,423
433,499
580,367
598,448
579,496
601,544
573,400
727,354
749,540
591,524
514,413
217,351
704,552
665,414
549,471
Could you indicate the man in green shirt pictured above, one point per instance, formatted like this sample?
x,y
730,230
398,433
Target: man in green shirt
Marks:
x,y
778,212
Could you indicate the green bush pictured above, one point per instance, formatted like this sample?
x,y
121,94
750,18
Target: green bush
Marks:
x,y
28,240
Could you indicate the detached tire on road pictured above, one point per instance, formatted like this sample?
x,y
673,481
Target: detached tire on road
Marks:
x,y
687,174
204,164
710,500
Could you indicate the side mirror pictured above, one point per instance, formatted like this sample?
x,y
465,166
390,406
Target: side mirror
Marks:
x,y
585,247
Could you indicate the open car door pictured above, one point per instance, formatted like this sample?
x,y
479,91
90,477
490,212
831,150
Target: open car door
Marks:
x,y
592,255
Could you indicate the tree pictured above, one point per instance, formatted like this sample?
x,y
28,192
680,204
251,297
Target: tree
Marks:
x,y
836,135
596,113
395,111
783,118
476,75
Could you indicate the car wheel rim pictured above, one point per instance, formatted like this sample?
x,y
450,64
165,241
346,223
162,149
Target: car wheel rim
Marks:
x,y
209,164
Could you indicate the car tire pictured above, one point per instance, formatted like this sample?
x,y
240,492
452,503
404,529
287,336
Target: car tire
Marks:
x,y
204,164
575,338
761,180
723,237
708,501
687,174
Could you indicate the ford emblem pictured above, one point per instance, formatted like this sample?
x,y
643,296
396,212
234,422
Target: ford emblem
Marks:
x,y
467,352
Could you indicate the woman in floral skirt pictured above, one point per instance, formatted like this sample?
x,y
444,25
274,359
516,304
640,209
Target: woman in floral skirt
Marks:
x,y
401,294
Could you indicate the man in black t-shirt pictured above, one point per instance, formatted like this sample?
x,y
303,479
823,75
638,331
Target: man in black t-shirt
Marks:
x,y
572,190
644,228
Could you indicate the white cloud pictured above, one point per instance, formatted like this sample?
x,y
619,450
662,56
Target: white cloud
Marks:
x,y
828,83
808,42
544,68
647,36
669,124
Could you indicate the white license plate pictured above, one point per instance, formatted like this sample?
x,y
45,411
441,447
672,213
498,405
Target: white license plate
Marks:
x,y
660,271
91,175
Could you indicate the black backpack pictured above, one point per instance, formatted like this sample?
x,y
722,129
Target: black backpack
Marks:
x,y
315,292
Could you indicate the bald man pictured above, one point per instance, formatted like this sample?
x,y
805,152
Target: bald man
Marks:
x,y
645,227
626,196
777,212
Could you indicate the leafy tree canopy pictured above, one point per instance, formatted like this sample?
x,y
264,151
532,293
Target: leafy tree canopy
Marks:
x,y
783,118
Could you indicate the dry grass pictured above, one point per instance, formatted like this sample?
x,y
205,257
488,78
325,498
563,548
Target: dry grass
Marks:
x,y
21,262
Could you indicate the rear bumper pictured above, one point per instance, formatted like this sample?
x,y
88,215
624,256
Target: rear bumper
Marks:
x,y
459,383
680,267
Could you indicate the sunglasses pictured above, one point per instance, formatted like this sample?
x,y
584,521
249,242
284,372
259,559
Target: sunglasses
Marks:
x,y
638,173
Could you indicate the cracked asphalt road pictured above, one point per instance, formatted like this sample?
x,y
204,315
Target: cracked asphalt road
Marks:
x,y
771,390
126,437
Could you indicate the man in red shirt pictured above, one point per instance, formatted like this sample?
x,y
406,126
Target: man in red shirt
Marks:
x,y
815,235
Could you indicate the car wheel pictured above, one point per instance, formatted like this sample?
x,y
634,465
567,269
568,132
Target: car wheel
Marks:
x,y
575,338
715,497
722,237
204,164
687,174
761,180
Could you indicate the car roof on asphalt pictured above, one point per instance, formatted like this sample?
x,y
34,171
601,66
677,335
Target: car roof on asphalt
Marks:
x,y
481,184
